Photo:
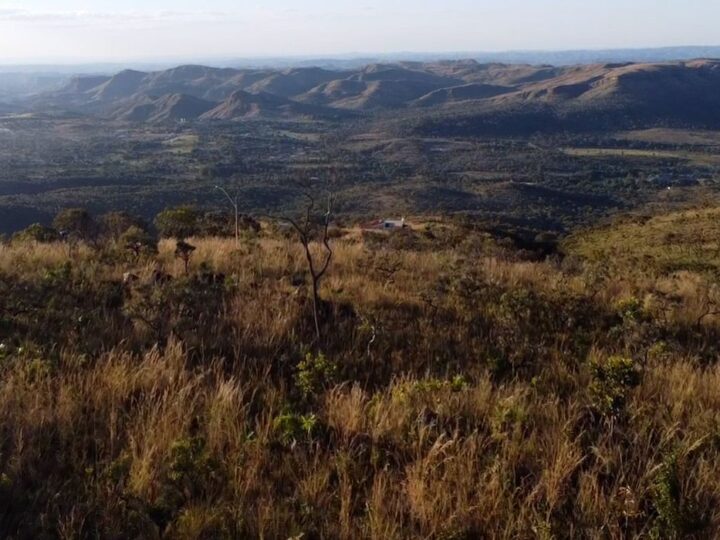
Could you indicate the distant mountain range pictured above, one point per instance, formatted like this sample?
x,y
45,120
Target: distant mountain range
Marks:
x,y
443,96
356,60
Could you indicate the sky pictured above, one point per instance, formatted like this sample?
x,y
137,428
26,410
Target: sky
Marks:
x,y
104,30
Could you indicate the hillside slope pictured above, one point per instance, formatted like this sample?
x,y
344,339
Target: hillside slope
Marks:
x,y
595,98
446,97
681,241
457,389
171,107
243,105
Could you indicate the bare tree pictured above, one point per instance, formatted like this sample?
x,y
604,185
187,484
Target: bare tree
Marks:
x,y
236,208
317,264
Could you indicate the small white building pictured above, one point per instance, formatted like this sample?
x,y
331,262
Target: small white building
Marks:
x,y
394,223
386,224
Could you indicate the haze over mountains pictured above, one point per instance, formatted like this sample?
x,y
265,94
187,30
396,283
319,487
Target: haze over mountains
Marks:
x,y
357,60
683,93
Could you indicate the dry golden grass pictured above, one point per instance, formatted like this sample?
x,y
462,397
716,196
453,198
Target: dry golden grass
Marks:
x,y
471,395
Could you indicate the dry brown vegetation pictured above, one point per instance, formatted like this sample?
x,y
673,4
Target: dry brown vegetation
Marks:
x,y
459,391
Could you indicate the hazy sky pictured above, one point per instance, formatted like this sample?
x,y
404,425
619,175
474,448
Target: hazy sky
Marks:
x,y
84,30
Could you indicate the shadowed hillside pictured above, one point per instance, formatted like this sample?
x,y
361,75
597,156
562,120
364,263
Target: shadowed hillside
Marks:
x,y
460,387
523,98
595,98
243,104
169,107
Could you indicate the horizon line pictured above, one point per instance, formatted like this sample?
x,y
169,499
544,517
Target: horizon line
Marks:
x,y
337,56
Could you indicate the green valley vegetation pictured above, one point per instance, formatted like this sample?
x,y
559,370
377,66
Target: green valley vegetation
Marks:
x,y
535,148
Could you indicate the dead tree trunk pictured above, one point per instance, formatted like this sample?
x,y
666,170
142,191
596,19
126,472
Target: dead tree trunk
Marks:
x,y
305,235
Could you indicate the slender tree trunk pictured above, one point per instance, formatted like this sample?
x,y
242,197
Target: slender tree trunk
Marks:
x,y
316,305
237,227
305,236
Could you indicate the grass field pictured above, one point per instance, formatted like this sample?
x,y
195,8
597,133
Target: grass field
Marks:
x,y
698,158
183,144
673,136
459,388
683,240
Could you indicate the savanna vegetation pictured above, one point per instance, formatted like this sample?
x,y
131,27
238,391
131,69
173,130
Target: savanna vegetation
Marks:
x,y
535,182
457,386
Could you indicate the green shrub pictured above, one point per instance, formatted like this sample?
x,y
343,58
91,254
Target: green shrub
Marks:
x,y
138,241
678,517
37,233
428,393
77,223
658,351
179,222
291,428
191,473
191,466
630,309
613,379
59,276
115,224
315,373
459,383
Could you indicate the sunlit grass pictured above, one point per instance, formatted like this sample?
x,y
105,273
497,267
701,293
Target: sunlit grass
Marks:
x,y
458,391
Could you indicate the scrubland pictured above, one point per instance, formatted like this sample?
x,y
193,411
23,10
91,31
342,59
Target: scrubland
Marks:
x,y
460,388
